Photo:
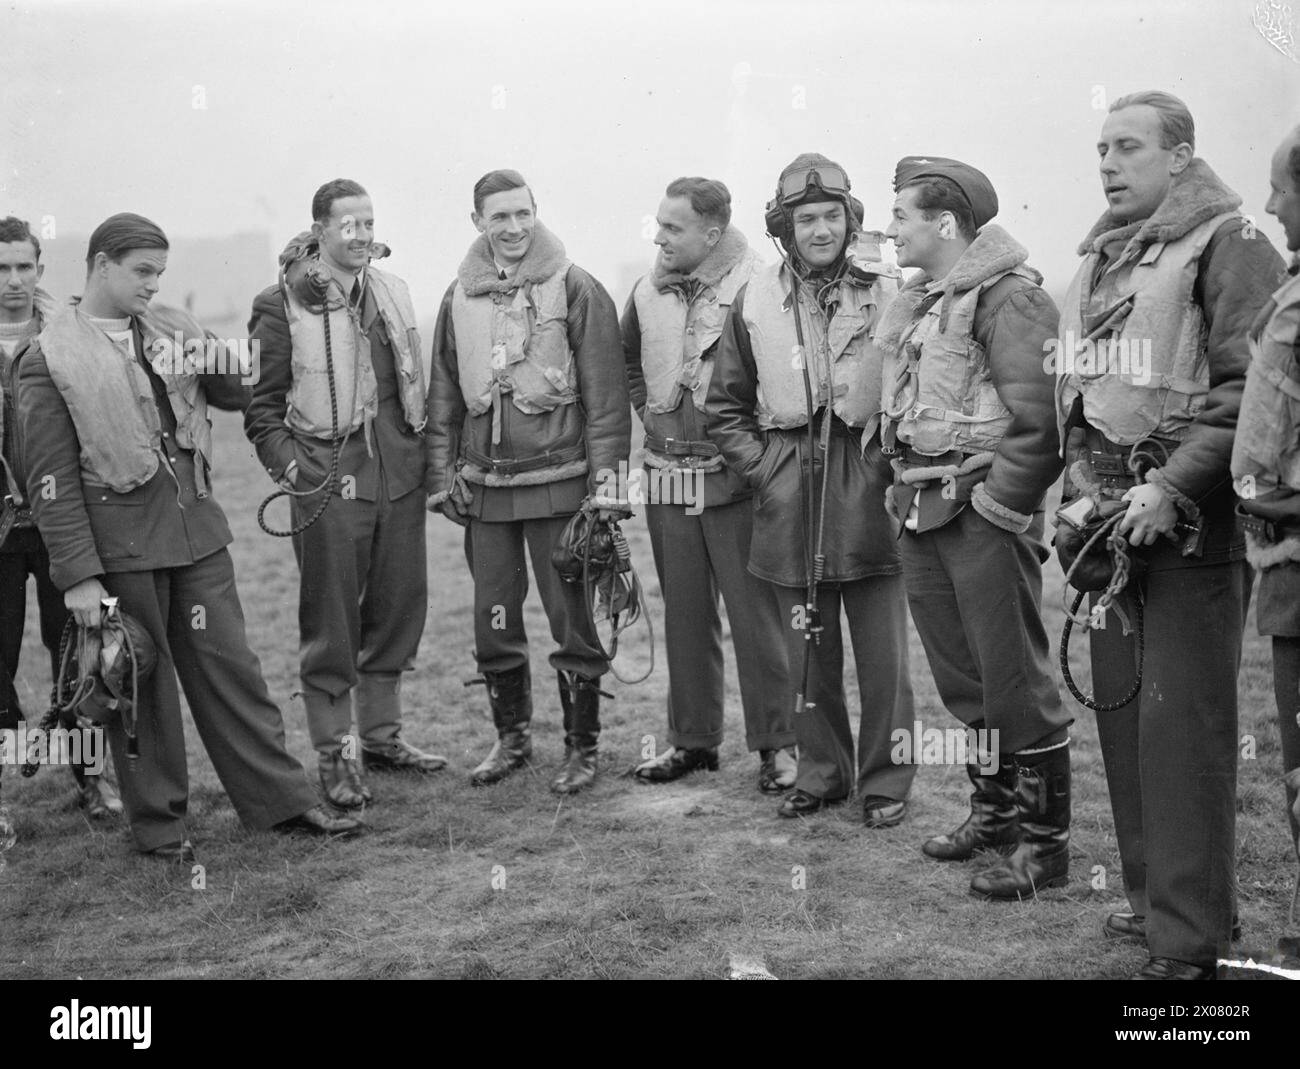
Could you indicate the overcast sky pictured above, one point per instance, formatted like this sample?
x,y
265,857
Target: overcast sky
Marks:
x,y
217,117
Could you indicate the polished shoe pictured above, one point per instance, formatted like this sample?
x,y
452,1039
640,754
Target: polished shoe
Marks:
x,y
1042,859
580,702
881,812
992,824
1172,969
675,763
320,821
510,695
340,779
400,756
1126,925
799,803
96,796
777,770
176,853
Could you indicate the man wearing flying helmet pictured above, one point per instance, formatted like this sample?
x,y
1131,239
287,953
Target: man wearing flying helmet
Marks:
x,y
796,405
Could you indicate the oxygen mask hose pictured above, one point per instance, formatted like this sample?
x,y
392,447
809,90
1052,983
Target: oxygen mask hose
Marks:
x,y
327,485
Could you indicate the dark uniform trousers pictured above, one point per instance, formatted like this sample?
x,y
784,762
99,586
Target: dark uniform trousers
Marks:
x,y
194,616
877,617
24,554
1171,754
361,605
364,592
495,552
697,557
976,594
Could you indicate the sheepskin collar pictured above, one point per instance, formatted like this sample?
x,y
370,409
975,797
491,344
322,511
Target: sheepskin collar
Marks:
x,y
478,271
993,252
1195,197
728,252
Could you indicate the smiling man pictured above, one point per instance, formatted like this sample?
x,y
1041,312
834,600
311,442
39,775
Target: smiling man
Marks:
x,y
969,412
779,381
1171,265
348,379
701,546
528,414
116,459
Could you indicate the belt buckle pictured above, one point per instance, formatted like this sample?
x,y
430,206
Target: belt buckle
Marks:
x,y
1108,464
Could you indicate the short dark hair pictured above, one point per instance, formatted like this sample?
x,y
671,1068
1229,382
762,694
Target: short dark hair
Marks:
x,y
935,194
14,229
119,234
337,189
709,198
499,182
1292,167
1176,125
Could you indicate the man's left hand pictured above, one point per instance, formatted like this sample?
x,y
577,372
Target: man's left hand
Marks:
x,y
1150,514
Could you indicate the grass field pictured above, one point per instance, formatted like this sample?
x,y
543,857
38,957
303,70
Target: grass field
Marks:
x,y
627,880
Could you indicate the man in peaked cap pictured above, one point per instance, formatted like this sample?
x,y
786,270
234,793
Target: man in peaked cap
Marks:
x,y
970,419
765,408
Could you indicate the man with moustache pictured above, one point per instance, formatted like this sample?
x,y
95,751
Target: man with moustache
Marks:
x,y
362,598
1171,268
1266,475
670,328
528,422
775,377
116,448
24,308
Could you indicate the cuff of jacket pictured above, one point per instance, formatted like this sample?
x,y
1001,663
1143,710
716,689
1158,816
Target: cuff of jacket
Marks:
x,y
999,515
1156,477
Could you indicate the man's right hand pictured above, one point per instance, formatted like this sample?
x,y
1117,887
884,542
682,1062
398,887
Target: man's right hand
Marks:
x,y
83,601
288,481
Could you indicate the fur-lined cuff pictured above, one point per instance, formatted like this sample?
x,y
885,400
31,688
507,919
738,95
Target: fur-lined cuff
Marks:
x,y
1262,555
1156,477
999,515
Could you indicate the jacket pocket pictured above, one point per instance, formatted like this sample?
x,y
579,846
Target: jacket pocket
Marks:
x,y
116,522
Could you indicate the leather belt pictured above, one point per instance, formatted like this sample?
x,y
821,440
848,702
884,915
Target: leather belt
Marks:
x,y
913,459
1267,531
680,447
551,458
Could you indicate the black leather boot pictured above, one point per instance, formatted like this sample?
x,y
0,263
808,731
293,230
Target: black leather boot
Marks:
x,y
511,695
992,824
1043,808
580,699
